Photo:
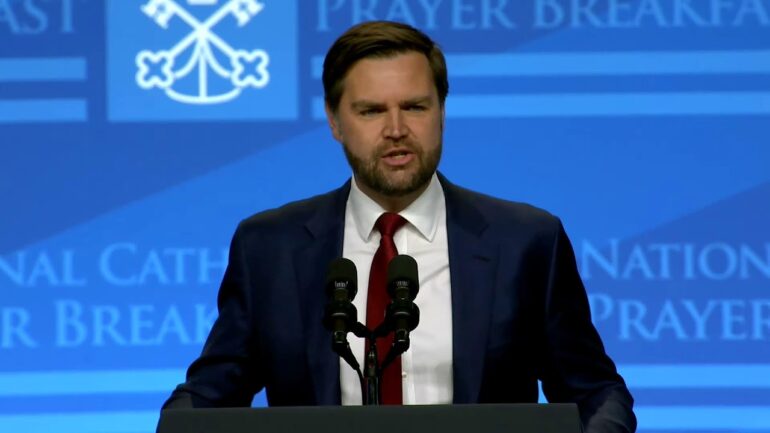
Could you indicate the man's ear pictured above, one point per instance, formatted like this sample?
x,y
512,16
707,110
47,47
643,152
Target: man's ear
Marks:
x,y
443,116
334,123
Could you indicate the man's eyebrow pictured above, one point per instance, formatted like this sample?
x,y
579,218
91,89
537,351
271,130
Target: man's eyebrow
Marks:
x,y
416,101
364,104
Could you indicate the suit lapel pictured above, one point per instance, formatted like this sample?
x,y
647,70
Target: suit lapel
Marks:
x,y
472,266
325,230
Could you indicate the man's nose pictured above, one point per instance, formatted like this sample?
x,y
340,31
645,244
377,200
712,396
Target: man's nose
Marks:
x,y
395,126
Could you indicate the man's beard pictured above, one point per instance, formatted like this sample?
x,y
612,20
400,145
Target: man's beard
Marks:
x,y
369,172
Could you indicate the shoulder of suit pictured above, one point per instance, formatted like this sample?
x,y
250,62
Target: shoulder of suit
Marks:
x,y
296,213
500,212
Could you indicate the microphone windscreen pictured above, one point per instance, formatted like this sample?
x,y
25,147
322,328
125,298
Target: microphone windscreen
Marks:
x,y
342,271
402,270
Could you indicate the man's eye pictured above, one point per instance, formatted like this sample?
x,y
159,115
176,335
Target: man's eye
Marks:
x,y
416,108
369,112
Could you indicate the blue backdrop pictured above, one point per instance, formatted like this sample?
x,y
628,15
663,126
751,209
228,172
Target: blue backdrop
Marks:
x,y
136,134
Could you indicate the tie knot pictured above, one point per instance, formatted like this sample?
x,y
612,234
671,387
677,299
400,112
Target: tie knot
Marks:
x,y
388,223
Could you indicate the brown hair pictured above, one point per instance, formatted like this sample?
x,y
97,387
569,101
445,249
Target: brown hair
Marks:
x,y
379,39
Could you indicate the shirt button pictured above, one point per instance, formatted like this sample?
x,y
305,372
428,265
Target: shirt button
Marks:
x,y
403,375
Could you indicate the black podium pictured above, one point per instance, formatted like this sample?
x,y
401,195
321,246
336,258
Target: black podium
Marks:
x,y
491,418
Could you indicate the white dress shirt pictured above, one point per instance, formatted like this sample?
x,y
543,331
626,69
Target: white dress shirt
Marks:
x,y
427,366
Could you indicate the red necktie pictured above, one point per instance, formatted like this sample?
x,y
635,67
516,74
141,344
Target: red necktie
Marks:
x,y
378,300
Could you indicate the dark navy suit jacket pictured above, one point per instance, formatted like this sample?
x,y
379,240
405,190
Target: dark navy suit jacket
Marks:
x,y
519,312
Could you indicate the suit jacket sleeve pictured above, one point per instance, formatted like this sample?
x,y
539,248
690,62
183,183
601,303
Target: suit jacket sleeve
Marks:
x,y
226,373
577,367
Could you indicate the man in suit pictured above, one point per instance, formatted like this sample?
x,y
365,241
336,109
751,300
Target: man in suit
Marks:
x,y
502,304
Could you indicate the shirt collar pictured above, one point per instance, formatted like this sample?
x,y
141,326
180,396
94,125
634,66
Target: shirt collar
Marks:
x,y
423,213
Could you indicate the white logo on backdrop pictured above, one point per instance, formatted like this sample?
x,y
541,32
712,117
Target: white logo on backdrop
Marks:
x,y
159,68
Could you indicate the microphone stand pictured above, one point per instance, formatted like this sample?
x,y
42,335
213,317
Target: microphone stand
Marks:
x,y
372,375
372,372
370,379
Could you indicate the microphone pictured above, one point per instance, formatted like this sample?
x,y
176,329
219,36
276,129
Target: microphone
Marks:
x,y
402,313
340,314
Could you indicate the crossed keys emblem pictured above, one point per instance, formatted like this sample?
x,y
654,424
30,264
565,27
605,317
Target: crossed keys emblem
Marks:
x,y
159,69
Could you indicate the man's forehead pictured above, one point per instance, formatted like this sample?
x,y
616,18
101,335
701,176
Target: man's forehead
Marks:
x,y
376,61
406,77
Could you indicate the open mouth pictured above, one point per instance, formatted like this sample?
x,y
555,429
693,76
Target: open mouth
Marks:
x,y
398,154
398,157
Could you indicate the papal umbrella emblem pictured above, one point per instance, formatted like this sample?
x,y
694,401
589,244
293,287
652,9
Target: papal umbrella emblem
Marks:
x,y
202,54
